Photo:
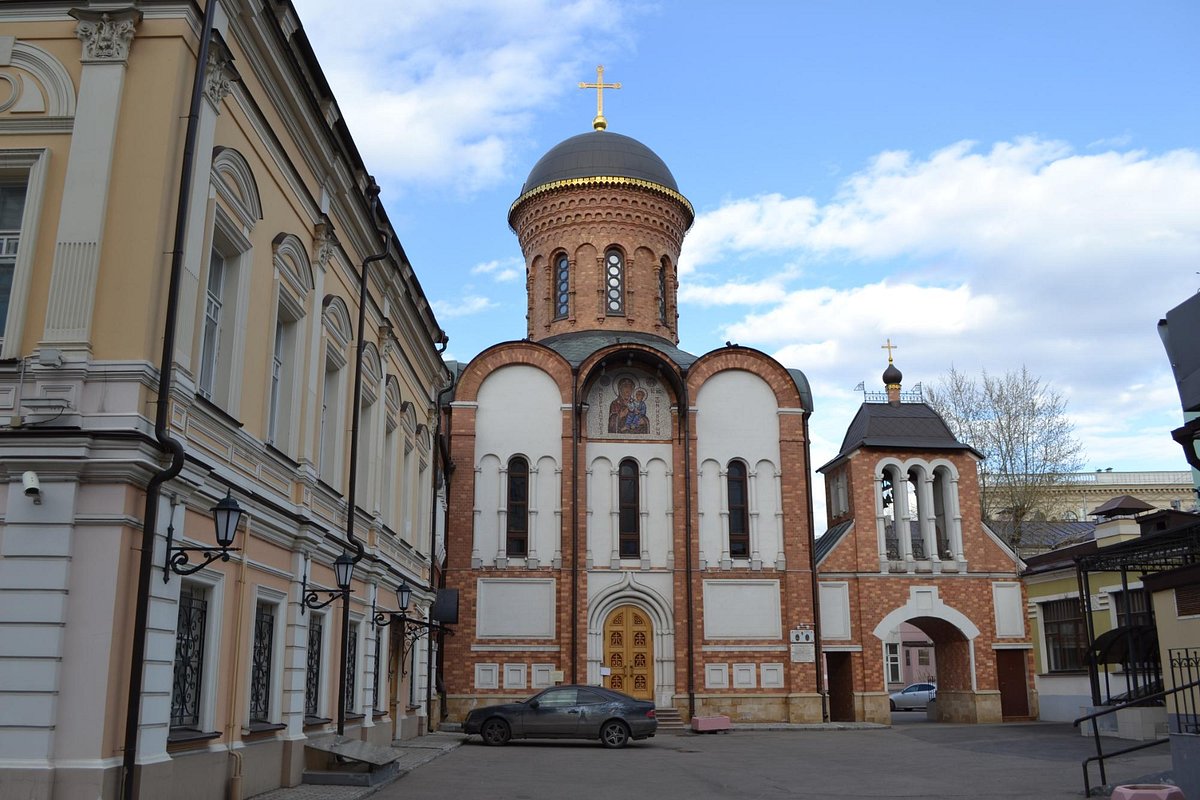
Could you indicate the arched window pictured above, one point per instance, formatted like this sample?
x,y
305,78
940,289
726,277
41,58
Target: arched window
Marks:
x,y
518,507
630,539
614,280
562,287
662,292
739,517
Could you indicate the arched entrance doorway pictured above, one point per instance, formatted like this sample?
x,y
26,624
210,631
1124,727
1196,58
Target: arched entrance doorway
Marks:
x,y
628,652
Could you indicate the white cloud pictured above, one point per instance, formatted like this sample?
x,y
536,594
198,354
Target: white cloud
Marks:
x,y
732,293
1026,253
502,270
455,82
464,306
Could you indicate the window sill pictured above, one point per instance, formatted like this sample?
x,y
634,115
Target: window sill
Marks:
x,y
354,717
282,456
212,407
190,735
310,722
255,728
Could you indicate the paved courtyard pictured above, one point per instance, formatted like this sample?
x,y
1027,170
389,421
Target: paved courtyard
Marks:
x,y
1035,760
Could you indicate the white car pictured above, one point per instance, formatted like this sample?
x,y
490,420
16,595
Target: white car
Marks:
x,y
913,697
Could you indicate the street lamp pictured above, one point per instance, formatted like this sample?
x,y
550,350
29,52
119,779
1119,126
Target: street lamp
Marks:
x,y
227,515
411,629
343,571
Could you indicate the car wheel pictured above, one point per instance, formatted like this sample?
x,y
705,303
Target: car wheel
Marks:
x,y
614,734
495,732
892,703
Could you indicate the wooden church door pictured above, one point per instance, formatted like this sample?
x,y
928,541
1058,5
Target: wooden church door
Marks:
x,y
629,652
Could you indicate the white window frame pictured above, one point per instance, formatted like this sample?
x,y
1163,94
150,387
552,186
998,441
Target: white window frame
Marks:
x,y
31,165
278,599
213,583
234,247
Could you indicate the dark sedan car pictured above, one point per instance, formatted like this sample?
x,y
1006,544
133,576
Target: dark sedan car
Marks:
x,y
566,712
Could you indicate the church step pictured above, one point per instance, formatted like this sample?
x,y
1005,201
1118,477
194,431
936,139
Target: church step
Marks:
x,y
669,719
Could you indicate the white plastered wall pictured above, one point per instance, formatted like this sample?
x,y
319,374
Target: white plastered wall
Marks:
x,y
737,417
653,459
519,408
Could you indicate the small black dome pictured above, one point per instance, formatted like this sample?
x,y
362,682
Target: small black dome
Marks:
x,y
599,154
891,375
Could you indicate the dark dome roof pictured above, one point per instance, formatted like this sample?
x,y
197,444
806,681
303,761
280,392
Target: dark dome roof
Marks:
x,y
599,154
891,375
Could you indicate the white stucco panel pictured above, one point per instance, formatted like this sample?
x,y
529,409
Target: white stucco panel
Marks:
x,y
737,417
738,609
519,412
515,608
1006,598
835,610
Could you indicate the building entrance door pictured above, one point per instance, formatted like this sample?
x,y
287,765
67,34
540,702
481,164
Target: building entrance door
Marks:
x,y
629,652
1014,694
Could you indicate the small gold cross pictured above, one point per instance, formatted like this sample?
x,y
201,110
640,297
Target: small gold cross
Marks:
x,y
889,347
599,123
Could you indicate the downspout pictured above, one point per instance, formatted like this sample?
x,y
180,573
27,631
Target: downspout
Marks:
x,y
816,589
235,780
169,445
685,429
442,343
575,412
351,498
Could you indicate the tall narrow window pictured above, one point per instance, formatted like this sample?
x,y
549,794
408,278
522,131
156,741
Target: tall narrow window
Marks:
x,y
189,657
1062,621
211,343
12,210
614,279
662,292
352,668
375,698
629,510
739,526
331,419
518,507
260,664
913,526
562,287
888,501
276,380
893,662
312,668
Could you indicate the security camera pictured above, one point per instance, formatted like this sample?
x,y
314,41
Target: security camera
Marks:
x,y
33,487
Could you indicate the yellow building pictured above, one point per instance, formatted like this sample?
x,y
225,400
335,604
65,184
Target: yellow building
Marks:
x,y
266,236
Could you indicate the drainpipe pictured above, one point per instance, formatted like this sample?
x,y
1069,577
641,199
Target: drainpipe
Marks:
x,y
356,411
442,343
575,412
170,446
685,430
816,589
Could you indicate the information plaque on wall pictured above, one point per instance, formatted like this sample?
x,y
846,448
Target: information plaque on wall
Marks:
x,y
804,653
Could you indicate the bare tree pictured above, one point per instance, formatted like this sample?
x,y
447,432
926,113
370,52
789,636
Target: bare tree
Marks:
x,y
1020,424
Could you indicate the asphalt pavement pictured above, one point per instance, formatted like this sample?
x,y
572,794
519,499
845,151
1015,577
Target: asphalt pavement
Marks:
x,y
911,759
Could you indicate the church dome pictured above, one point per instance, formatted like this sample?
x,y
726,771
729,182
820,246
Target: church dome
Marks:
x,y
892,376
599,154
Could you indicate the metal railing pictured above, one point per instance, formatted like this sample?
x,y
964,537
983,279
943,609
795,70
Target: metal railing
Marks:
x,y
1191,690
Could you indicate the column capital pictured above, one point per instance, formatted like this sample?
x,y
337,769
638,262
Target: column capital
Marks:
x,y
106,35
219,73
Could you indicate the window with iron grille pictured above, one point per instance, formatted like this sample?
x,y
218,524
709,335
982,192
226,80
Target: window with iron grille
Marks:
x,y
1066,639
312,670
517,518
189,657
739,517
629,510
1187,600
662,292
375,698
1133,608
260,663
562,287
351,667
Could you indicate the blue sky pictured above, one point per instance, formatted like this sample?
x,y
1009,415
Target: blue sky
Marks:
x,y
990,184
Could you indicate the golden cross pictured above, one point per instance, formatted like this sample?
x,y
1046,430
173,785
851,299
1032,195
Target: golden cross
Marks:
x,y
599,123
889,347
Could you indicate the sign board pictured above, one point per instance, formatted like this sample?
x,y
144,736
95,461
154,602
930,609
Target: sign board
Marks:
x,y
804,653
